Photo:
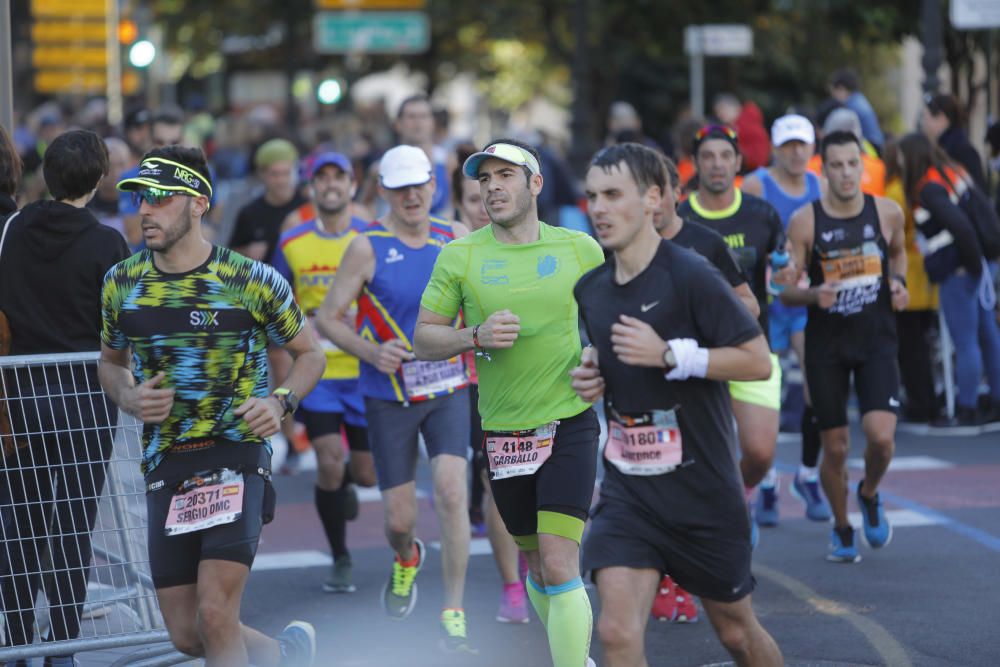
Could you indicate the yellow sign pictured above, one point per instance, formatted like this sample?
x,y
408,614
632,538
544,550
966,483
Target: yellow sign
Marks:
x,y
46,32
63,81
370,4
64,9
75,57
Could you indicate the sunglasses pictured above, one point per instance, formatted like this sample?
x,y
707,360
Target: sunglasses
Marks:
x,y
715,129
153,196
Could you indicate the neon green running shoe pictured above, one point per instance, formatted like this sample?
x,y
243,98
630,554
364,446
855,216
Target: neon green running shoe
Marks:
x,y
455,639
399,595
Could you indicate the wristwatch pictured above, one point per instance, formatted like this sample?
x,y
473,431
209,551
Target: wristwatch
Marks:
x,y
288,400
669,359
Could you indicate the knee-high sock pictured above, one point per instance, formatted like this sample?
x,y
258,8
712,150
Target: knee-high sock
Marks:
x,y
570,623
330,506
810,438
539,600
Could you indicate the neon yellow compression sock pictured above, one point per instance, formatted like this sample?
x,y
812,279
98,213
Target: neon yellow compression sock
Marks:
x,y
539,600
570,621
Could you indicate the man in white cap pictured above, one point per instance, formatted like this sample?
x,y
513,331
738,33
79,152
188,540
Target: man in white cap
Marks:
x,y
385,270
513,283
788,185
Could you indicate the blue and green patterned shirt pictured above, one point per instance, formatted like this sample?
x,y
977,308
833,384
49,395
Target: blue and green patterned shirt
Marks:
x,y
208,331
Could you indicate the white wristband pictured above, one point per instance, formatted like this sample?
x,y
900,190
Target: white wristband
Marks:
x,y
692,360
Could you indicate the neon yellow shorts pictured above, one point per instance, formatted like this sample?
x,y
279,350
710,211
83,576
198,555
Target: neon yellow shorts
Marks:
x,y
766,393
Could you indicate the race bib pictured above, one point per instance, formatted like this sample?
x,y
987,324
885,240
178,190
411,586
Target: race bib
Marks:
x,y
521,452
647,444
853,267
205,501
423,378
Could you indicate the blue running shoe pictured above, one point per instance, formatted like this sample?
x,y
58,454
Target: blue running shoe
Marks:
x,y
808,491
297,643
877,531
766,505
842,548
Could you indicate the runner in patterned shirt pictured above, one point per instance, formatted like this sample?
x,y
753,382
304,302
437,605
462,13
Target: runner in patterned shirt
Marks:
x,y
198,319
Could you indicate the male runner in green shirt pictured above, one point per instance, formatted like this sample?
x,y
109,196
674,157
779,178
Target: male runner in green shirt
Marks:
x,y
513,283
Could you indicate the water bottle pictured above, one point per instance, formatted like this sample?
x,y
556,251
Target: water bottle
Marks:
x,y
779,260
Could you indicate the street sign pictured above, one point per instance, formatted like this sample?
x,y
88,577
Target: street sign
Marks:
x,y
370,4
718,40
371,32
68,31
974,14
69,8
70,57
71,81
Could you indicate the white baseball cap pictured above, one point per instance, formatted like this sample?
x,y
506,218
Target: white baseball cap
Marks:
x,y
403,166
792,127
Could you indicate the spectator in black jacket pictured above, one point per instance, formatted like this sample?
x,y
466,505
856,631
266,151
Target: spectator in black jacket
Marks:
x,y
953,258
942,122
10,174
52,265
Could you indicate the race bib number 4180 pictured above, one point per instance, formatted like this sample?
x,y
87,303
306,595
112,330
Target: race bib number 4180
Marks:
x,y
646,444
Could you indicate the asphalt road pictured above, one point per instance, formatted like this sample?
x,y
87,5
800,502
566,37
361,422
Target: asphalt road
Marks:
x,y
930,599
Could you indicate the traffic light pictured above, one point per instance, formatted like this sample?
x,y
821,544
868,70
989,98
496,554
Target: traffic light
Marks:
x,y
329,91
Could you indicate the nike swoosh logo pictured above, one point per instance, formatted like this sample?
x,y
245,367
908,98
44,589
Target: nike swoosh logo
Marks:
x,y
893,402
648,306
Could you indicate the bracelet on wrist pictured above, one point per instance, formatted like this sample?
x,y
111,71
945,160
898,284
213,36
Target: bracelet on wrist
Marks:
x,y
480,350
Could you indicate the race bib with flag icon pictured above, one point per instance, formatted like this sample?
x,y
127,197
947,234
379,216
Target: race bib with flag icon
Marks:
x,y
426,378
204,501
647,443
519,452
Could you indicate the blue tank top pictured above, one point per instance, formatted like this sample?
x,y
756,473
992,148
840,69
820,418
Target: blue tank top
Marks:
x,y
785,203
390,302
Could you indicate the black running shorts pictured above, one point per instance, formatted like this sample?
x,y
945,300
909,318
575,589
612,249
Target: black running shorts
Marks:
x,y
876,381
563,485
174,559
712,562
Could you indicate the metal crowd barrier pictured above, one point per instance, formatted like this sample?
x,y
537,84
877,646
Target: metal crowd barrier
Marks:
x,y
74,568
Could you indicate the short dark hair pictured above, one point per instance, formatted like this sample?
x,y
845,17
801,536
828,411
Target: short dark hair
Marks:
x,y
646,164
192,158
419,97
462,153
168,116
520,144
838,138
845,77
10,164
74,163
673,176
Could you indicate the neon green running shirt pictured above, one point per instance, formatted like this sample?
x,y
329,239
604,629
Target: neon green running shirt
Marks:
x,y
527,385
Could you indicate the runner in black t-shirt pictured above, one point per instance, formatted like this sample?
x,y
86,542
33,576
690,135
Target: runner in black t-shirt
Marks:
x,y
753,230
850,244
671,497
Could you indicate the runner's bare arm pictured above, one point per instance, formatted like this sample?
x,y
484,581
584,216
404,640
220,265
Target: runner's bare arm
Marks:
x,y
752,186
744,294
747,361
892,229
356,268
800,242
145,401
435,338
264,415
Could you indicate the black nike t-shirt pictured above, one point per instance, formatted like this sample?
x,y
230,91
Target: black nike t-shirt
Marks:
x,y
261,221
752,229
709,244
680,295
